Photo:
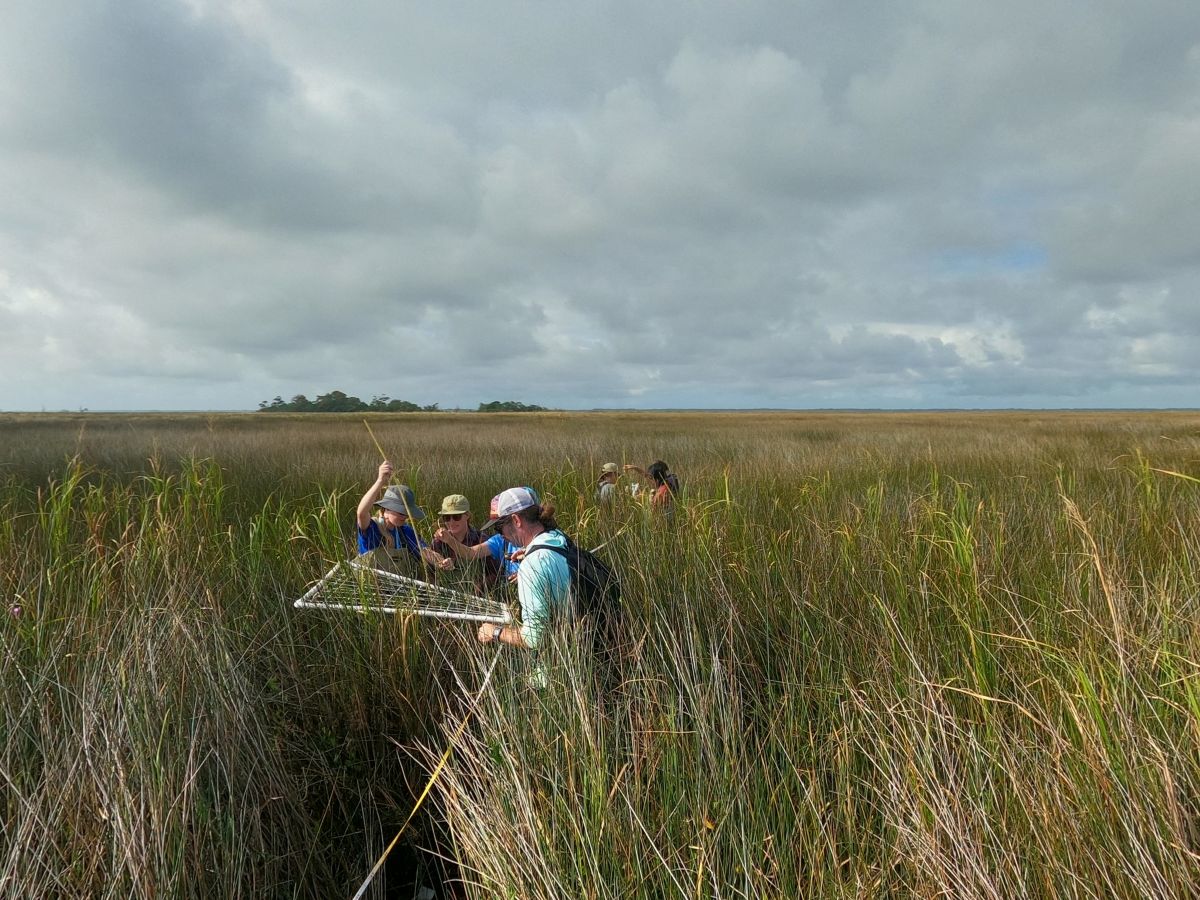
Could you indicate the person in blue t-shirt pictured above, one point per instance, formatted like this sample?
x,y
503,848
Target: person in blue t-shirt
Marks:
x,y
392,530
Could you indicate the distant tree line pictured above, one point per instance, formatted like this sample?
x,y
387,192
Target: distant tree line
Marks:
x,y
336,401
509,406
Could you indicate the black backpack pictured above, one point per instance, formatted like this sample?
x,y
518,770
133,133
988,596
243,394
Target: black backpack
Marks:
x,y
595,587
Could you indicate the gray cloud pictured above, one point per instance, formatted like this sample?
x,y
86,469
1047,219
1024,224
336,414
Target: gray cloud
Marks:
x,y
207,203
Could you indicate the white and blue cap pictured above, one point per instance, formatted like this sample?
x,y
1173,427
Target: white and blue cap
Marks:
x,y
505,503
401,499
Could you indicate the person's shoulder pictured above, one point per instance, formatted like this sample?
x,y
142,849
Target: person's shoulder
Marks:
x,y
552,538
539,561
555,539
546,539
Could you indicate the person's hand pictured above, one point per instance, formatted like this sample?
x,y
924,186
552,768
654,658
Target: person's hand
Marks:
x,y
385,472
446,564
485,632
440,535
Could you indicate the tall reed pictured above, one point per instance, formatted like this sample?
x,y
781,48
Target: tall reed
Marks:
x,y
873,655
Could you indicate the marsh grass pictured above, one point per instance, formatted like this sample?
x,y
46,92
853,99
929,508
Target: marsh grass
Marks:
x,y
873,656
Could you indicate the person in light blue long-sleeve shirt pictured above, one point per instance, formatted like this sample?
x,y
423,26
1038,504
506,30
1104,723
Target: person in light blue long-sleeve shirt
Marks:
x,y
543,579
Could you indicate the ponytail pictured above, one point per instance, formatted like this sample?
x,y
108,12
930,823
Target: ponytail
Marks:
x,y
544,513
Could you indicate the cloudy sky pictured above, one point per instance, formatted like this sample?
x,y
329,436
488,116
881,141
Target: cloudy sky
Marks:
x,y
918,203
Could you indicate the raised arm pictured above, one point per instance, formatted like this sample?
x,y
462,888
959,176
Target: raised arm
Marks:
x,y
367,503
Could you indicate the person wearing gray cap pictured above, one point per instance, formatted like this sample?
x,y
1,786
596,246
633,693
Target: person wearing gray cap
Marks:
x,y
543,581
392,530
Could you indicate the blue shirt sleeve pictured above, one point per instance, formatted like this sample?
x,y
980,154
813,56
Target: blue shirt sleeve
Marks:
x,y
502,551
369,538
543,587
495,545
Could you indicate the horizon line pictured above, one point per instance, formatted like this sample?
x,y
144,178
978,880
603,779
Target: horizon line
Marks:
x,y
617,409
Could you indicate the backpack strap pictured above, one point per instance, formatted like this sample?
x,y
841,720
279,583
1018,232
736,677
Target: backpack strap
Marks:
x,y
564,552
561,551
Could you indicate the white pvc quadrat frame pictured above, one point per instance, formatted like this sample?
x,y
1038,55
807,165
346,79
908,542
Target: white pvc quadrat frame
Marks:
x,y
350,586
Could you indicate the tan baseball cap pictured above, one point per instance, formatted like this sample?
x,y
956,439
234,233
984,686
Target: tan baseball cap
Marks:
x,y
610,469
454,505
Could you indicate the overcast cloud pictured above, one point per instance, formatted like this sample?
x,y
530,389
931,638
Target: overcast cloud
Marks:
x,y
923,203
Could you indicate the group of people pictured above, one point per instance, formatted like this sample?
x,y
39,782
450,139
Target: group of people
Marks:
x,y
518,524
455,540
664,484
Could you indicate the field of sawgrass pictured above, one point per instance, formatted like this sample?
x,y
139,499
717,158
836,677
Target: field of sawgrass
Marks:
x,y
874,655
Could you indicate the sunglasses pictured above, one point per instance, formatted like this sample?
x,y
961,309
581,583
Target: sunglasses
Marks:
x,y
451,517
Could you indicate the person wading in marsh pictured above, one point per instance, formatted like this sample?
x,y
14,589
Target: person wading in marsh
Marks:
x,y
665,486
392,532
543,579
458,540
563,585
606,487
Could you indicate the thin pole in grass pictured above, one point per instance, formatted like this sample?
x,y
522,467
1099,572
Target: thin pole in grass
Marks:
x,y
1075,517
403,496
437,771
1176,474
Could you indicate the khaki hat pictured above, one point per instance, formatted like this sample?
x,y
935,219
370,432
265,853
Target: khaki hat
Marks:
x,y
454,505
610,469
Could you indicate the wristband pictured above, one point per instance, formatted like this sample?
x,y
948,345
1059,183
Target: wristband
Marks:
x,y
496,632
